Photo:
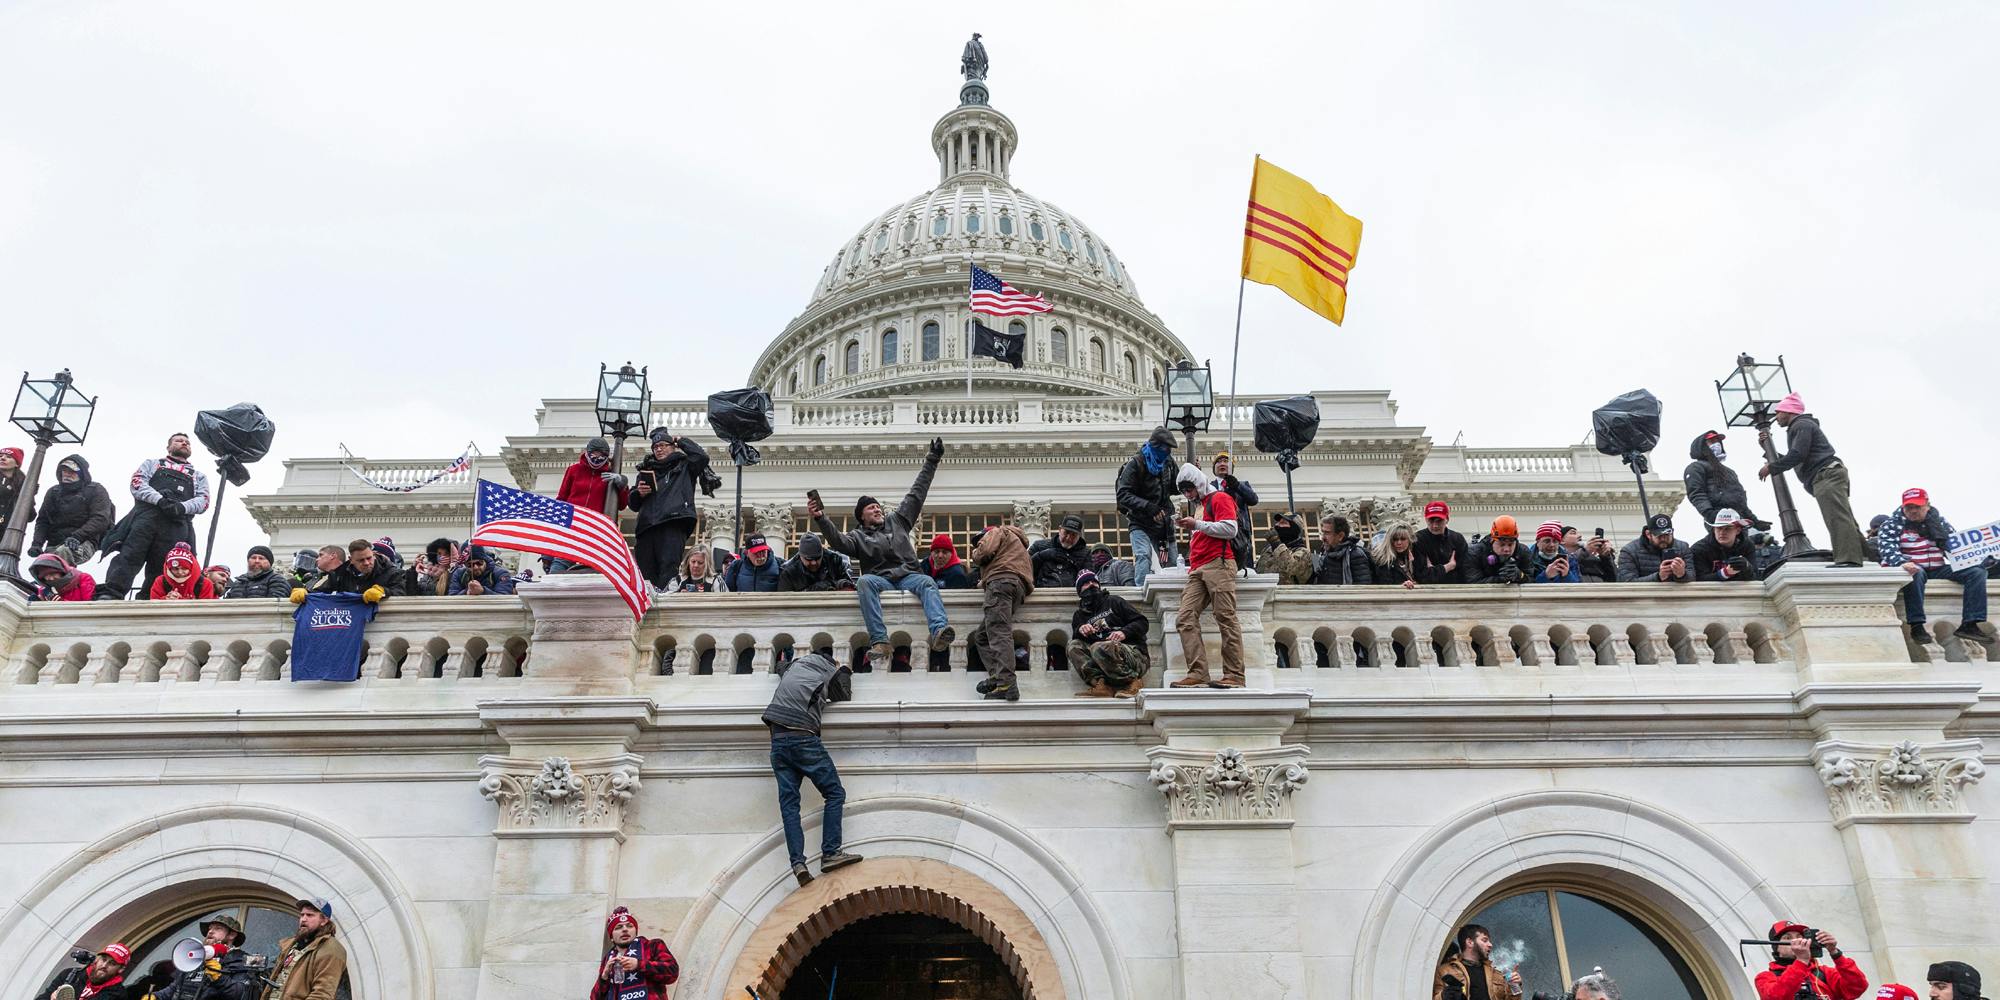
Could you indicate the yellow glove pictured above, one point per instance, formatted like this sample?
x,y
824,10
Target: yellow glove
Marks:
x,y
298,595
212,969
373,594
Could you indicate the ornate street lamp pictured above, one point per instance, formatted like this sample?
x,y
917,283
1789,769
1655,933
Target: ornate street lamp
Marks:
x,y
623,403
1749,395
1190,400
50,411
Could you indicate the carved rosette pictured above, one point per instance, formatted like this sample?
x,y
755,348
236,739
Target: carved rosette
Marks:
x,y
557,796
1906,782
1228,788
1032,517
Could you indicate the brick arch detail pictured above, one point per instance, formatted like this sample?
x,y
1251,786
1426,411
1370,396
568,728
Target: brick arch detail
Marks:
x,y
877,887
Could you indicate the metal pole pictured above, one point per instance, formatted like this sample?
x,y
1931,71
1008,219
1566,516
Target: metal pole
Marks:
x,y
1639,474
1796,542
617,465
15,537
739,508
1291,502
1235,351
214,517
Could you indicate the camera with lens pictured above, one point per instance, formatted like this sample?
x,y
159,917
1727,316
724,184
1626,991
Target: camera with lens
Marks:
x,y
81,956
1737,563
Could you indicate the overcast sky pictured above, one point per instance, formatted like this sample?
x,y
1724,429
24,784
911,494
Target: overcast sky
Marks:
x,y
400,225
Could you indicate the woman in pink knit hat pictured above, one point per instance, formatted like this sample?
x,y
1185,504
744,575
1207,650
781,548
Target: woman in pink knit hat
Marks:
x,y
1821,472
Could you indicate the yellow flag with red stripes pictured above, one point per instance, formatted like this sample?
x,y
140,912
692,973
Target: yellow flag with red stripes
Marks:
x,y
1298,240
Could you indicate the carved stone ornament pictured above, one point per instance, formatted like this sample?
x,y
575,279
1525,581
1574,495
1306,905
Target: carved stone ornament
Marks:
x,y
772,520
1032,517
556,796
1367,515
1876,783
1229,787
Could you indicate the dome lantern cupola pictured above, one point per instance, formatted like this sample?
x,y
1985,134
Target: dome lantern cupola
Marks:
x,y
973,139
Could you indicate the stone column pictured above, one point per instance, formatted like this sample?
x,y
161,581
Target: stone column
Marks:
x,y
1228,780
719,520
583,643
1163,592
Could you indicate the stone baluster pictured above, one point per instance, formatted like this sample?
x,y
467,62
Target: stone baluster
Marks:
x,y
764,656
453,666
1385,650
1740,650
1545,651
1621,649
1662,648
1461,648
1340,650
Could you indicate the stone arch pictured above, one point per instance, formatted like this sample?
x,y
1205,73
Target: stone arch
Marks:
x,y
882,886
294,854
931,850
1688,877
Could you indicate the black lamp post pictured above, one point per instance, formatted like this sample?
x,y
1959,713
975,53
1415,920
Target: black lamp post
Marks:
x,y
1190,400
623,404
51,411
1749,395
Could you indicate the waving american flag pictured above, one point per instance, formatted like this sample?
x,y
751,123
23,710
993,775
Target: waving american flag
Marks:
x,y
529,522
994,297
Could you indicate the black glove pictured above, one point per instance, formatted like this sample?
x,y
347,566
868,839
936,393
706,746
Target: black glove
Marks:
x,y
1510,572
1453,989
73,542
1739,564
937,448
170,506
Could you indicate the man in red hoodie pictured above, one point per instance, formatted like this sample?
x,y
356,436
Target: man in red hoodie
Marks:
x,y
1794,975
634,968
586,483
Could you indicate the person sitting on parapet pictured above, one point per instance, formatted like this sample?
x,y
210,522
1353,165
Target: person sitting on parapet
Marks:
x,y
1918,540
1107,646
880,544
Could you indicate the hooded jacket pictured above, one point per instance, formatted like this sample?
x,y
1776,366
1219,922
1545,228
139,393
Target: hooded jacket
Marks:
x,y
73,585
496,579
674,482
1143,491
1541,564
1112,572
1214,533
1003,551
81,510
585,487
885,549
196,587
1712,485
953,575
1286,554
1706,556
345,579
1112,614
806,685
1806,449
1840,981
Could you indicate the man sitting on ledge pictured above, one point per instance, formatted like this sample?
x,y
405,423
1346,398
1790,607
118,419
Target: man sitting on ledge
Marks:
x,y
880,545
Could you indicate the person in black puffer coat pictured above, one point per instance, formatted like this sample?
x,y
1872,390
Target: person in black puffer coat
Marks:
x,y
259,580
1146,493
1058,560
663,494
76,512
1713,486
1345,561
1656,555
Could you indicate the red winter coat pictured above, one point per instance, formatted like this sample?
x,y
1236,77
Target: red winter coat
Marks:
x,y
584,487
1841,981
657,970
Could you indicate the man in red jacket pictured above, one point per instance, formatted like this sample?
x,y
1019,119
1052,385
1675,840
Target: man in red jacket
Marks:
x,y
1794,975
586,482
634,968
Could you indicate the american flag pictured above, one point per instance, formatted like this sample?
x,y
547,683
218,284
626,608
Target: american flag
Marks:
x,y
527,522
994,297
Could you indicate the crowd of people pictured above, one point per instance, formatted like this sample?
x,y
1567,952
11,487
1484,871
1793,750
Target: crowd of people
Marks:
x,y
307,966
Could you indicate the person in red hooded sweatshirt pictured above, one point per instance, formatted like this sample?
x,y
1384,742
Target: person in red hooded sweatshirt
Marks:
x,y
634,967
586,483
1793,973
182,579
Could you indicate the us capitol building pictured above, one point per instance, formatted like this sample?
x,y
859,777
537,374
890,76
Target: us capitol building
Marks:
x,y
1626,776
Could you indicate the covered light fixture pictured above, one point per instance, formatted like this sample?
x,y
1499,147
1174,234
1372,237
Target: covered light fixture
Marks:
x,y
50,411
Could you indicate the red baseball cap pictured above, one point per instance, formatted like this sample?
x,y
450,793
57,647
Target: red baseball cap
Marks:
x,y
1437,508
1782,927
1915,494
1895,991
117,953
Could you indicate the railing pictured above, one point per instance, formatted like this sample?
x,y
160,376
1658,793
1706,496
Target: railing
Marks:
x,y
680,415
969,413
956,369
1540,461
1120,411
844,414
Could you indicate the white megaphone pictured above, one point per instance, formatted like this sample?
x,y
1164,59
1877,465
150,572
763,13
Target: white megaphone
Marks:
x,y
191,953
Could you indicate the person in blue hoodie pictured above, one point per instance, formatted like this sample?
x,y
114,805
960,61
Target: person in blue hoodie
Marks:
x,y
756,572
481,574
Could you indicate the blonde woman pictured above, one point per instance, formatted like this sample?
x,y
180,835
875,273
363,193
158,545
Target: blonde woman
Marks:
x,y
696,576
1391,555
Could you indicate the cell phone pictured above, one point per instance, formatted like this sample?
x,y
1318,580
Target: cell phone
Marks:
x,y
651,480
1599,533
813,495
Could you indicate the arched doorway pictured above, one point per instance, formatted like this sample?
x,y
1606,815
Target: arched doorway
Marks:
x,y
1554,929
859,917
903,956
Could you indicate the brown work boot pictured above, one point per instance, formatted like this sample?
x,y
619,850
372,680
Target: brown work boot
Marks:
x,y
1227,682
1097,689
1132,688
1192,680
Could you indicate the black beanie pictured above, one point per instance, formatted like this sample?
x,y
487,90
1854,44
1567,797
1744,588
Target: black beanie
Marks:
x,y
265,551
1964,979
862,504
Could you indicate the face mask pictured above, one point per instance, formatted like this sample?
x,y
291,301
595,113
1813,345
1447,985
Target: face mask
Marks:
x,y
1093,599
1716,448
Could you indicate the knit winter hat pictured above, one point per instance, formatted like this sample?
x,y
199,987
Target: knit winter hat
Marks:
x,y
182,553
261,550
811,547
386,548
618,916
861,503
658,434
1791,404
1086,578
1549,529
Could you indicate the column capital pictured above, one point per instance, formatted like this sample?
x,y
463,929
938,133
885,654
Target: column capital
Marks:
x,y
1228,788
560,796
1032,517
1904,782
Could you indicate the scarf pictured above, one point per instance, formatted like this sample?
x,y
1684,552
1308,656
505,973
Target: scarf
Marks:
x,y
1092,600
1156,457
950,550
91,989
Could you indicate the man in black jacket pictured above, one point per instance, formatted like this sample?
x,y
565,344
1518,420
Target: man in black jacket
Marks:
x,y
102,979
365,572
259,580
1725,553
1501,558
1345,560
663,494
1437,553
167,493
1711,485
1058,560
226,975
813,569
1224,468
1821,472
1107,646
1146,494
76,514
881,547
806,685
1655,555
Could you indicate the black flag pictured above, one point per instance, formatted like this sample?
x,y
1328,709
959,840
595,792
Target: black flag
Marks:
x,y
991,343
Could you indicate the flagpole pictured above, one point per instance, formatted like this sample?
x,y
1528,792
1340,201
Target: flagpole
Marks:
x,y
1235,351
968,324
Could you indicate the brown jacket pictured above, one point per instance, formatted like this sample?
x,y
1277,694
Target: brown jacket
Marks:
x,y
1005,550
317,973
1496,983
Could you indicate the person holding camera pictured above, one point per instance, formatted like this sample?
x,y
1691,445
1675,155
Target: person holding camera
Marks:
x,y
1655,556
806,685
225,975
1726,552
1107,647
96,977
634,967
1794,975
887,558
1953,981
1500,558
1468,973
1596,559
1285,552
663,494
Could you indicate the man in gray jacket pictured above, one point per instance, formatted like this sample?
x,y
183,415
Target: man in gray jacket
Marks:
x,y
805,686
1810,456
886,559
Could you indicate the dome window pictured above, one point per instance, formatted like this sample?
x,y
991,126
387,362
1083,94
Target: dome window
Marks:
x,y
909,230
889,346
972,222
1098,361
882,240
1036,232
932,343
1059,346
1090,250
819,370
1063,240
792,385
940,225
852,360
1006,224
1017,329
1130,372
1111,265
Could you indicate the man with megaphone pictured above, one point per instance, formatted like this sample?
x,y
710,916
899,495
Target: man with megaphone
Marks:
x,y
210,967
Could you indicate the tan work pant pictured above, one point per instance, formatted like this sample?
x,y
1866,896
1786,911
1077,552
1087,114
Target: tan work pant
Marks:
x,y
1212,587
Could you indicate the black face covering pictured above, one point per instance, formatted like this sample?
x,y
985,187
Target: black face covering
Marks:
x,y
1093,599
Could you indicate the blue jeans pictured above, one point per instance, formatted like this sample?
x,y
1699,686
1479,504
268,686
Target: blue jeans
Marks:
x,y
869,590
802,755
1144,550
1973,579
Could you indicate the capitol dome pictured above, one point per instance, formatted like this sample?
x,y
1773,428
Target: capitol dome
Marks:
x,y
889,315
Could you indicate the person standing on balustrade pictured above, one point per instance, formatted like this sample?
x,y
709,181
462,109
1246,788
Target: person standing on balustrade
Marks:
x,y
1005,579
1821,472
1211,526
1145,494
167,493
663,494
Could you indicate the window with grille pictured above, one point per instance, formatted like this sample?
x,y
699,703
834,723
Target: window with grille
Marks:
x,y
932,344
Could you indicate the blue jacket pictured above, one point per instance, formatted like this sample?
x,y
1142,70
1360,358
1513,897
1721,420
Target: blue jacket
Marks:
x,y
1542,563
743,578
496,581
